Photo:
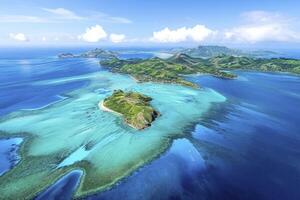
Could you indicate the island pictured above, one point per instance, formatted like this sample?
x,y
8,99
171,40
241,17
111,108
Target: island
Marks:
x,y
171,70
96,53
134,107
209,51
66,55
175,68
225,62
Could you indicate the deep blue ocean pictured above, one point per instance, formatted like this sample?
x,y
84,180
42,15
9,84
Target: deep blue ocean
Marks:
x,y
245,148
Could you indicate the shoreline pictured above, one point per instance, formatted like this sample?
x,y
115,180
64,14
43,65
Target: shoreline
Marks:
x,y
195,86
106,109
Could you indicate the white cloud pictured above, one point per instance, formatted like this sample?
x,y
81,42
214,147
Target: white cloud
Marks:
x,y
200,32
18,37
118,20
64,13
21,19
97,33
262,26
167,35
93,34
197,33
59,15
117,38
259,33
106,18
260,16
44,39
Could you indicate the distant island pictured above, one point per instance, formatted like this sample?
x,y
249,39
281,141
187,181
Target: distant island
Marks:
x,y
96,53
213,51
134,107
257,64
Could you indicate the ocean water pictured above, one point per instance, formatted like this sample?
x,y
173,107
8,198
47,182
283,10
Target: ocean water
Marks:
x,y
245,145
63,188
8,153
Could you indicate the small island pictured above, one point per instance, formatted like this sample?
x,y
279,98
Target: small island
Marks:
x,y
96,53
134,107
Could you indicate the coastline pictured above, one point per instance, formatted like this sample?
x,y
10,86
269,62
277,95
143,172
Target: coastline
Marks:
x,y
106,109
164,82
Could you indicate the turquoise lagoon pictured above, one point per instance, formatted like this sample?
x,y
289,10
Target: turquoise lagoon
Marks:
x,y
73,133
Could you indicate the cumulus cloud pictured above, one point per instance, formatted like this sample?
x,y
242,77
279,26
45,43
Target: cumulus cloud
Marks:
x,y
197,33
64,13
262,26
18,37
93,34
117,38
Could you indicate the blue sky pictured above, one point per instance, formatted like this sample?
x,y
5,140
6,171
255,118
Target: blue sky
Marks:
x,y
152,23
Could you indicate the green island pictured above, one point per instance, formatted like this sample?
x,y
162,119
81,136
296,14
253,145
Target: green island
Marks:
x,y
95,53
257,64
170,70
133,106
209,51
173,69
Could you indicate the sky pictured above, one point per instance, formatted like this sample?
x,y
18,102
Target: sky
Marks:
x,y
255,23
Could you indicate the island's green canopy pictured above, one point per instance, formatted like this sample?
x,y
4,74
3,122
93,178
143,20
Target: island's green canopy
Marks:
x,y
134,107
173,69
160,70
